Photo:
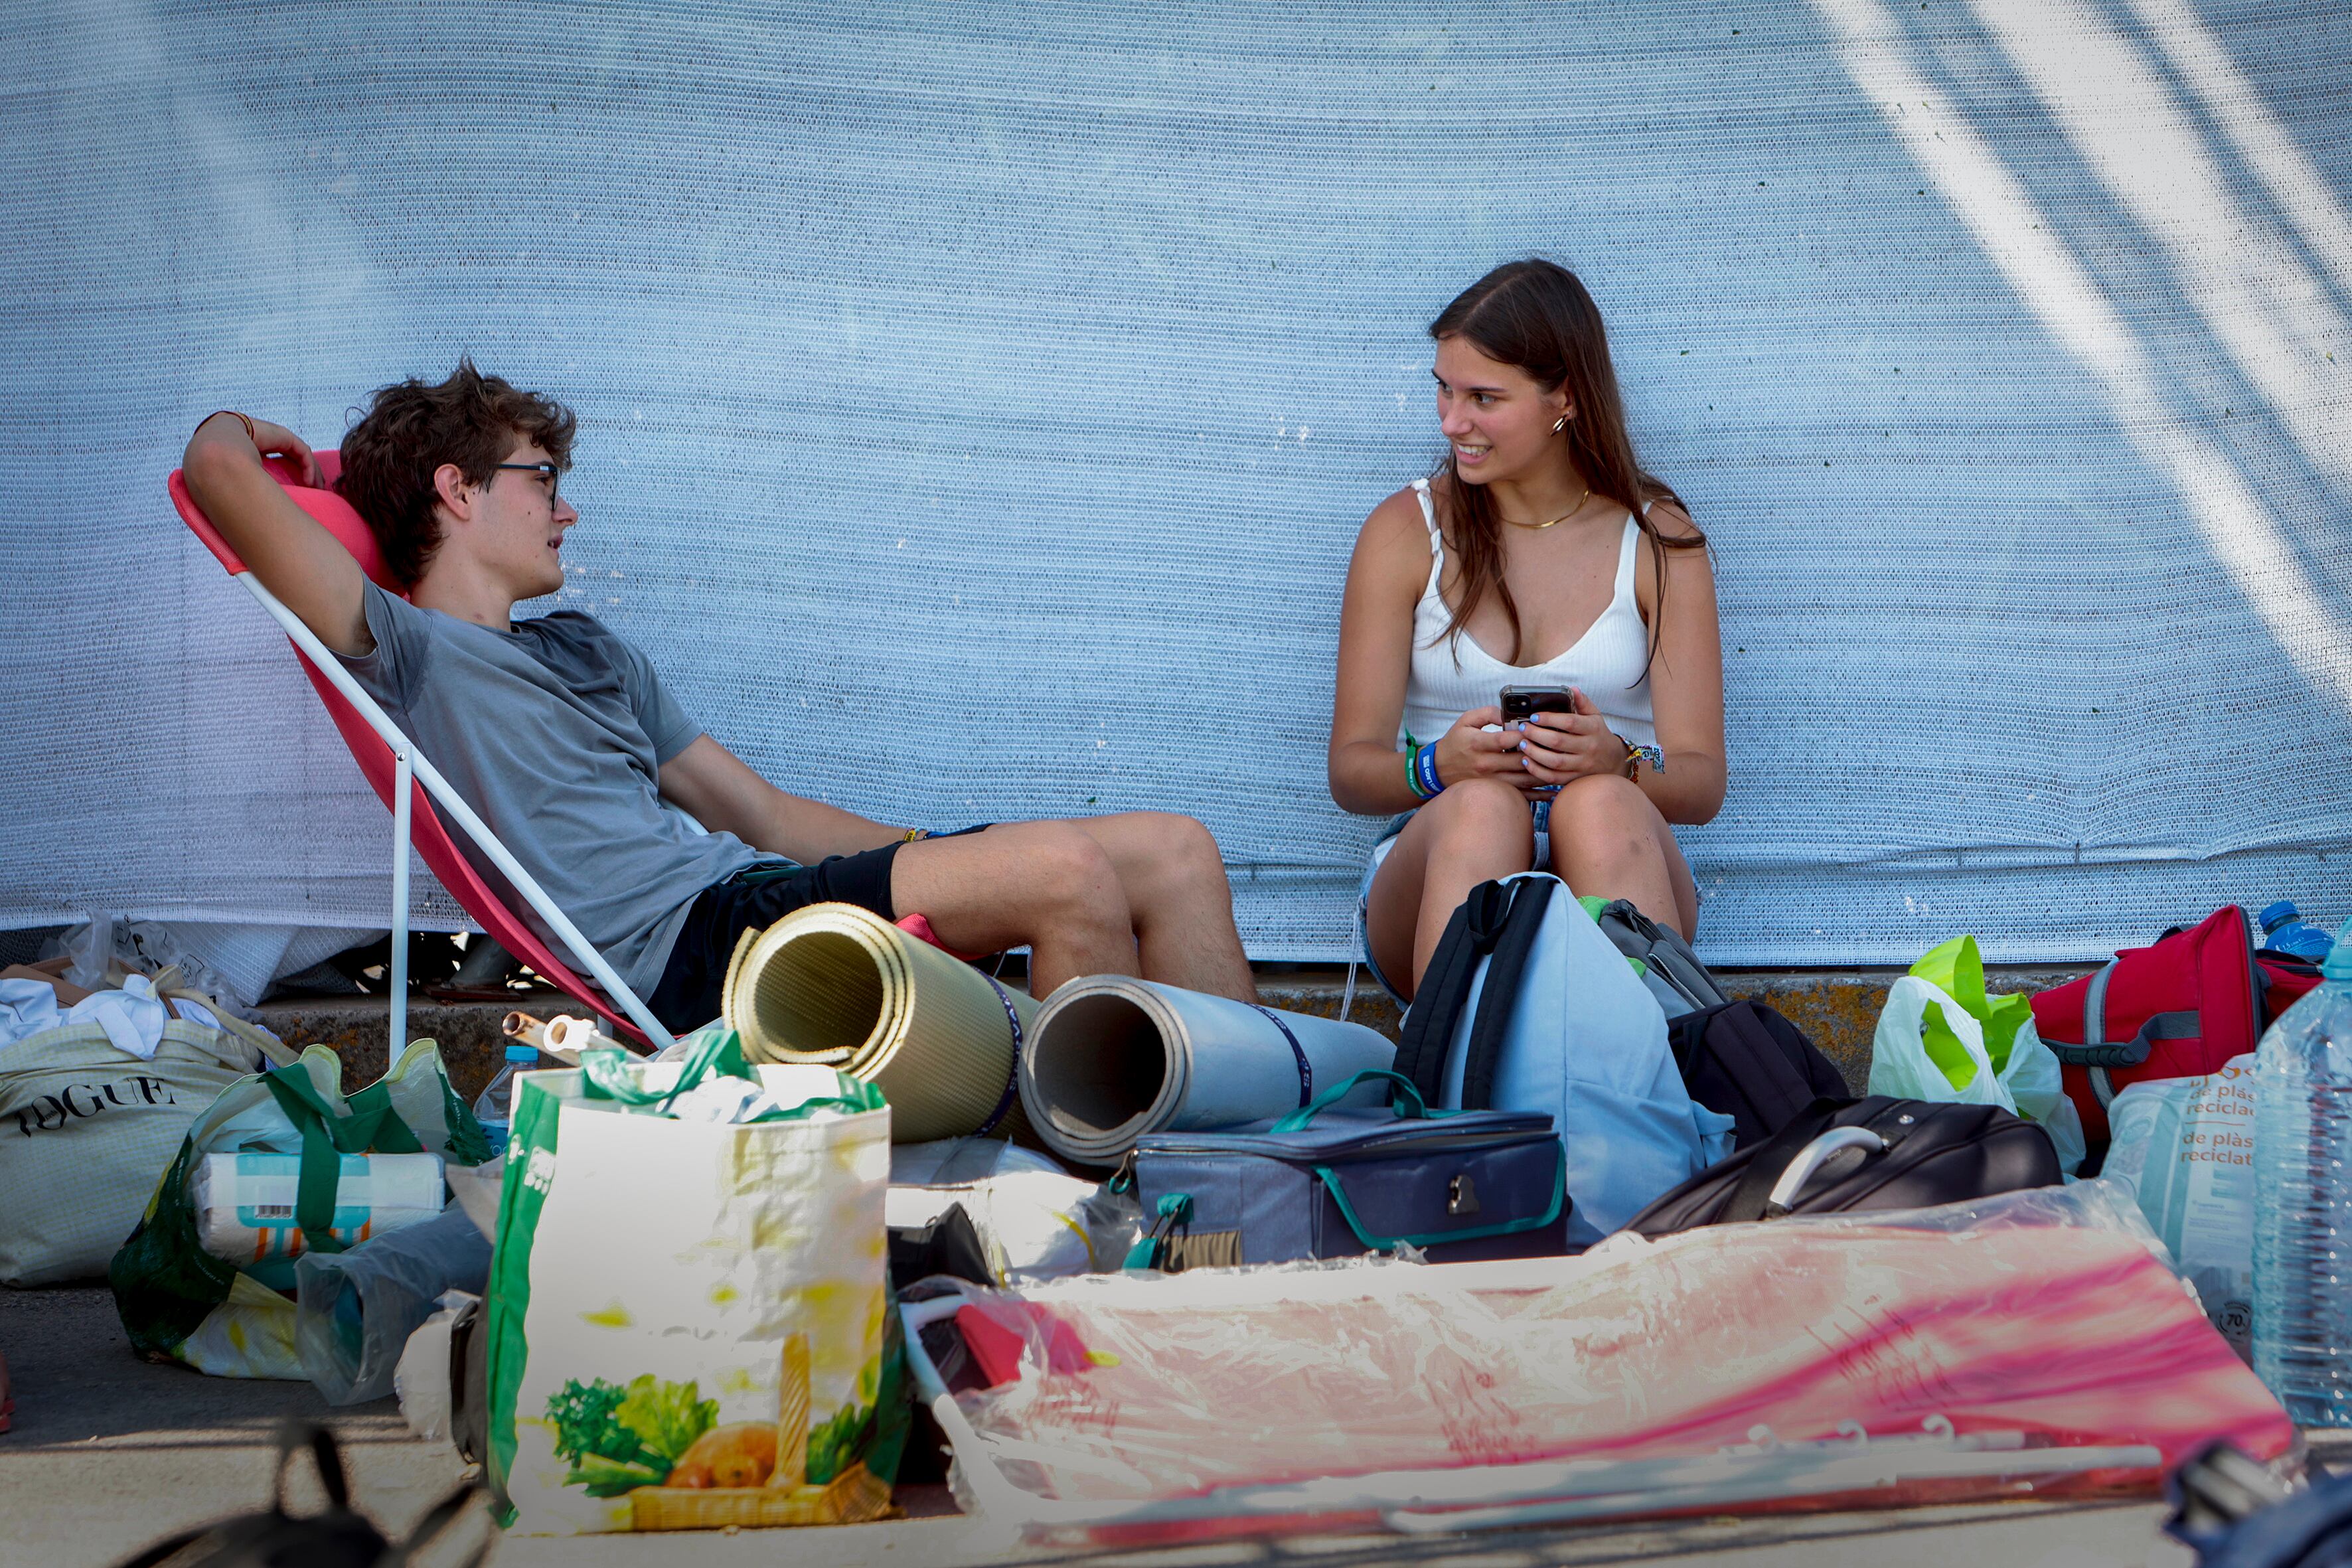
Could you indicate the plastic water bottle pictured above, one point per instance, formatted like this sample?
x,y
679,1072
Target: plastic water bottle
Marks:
x,y
2303,1200
495,1109
2284,931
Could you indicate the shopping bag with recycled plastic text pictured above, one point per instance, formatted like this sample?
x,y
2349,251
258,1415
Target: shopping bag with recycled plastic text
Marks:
x,y
1941,1037
2185,1147
180,1302
690,1319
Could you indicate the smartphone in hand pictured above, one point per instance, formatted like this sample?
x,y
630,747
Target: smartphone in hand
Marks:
x,y
1521,703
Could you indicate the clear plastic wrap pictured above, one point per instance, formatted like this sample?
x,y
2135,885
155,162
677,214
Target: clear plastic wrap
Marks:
x,y
2037,1339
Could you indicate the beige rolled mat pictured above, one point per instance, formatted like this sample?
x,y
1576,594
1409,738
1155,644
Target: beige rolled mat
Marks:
x,y
839,987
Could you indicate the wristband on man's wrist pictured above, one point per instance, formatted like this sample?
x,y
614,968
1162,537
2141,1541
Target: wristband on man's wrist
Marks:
x,y
250,434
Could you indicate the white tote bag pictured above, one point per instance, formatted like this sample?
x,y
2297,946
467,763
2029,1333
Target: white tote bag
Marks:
x,y
689,1316
86,1128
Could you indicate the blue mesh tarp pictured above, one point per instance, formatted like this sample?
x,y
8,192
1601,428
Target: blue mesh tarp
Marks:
x,y
980,402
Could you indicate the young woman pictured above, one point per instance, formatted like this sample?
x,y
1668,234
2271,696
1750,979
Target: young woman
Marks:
x,y
1539,553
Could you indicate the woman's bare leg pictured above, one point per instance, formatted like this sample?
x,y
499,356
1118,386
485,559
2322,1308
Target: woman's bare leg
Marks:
x,y
1474,832
1608,841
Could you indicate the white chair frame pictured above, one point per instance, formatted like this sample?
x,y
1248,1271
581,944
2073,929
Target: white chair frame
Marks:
x,y
409,763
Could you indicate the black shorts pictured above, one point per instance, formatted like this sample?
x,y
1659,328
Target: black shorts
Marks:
x,y
755,898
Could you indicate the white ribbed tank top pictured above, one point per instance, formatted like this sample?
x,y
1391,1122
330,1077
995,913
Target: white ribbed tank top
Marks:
x,y
1610,663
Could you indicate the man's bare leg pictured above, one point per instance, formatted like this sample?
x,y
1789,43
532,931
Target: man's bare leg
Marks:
x,y
1042,885
1184,907
1142,893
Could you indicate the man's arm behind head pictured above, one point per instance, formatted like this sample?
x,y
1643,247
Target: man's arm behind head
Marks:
x,y
307,567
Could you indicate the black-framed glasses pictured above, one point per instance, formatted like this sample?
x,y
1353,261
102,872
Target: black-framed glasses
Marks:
x,y
547,471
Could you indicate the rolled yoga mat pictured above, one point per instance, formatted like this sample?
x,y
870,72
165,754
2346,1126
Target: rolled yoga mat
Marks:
x,y
838,986
1113,1058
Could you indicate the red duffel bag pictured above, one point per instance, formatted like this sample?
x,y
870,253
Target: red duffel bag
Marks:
x,y
2180,1008
2287,980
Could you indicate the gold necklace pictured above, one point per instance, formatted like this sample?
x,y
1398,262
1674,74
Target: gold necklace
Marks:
x,y
1563,517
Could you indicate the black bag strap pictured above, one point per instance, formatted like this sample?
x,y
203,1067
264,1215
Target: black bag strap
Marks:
x,y
434,1524
164,1550
294,1435
1687,1034
2096,1050
1475,925
2185,1025
1500,998
1771,1161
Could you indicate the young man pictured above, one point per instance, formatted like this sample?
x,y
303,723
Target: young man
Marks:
x,y
561,736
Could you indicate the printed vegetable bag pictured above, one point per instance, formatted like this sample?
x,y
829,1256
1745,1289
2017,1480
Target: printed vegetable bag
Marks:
x,y
1941,1037
179,1302
689,1316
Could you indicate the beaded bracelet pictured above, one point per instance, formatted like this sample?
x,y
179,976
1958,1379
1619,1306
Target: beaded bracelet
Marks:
x,y
1635,754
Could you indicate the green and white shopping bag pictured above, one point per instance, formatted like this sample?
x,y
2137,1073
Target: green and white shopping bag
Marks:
x,y
689,1315
181,1302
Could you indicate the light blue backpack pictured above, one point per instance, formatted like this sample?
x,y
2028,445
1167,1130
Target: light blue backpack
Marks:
x,y
1528,1007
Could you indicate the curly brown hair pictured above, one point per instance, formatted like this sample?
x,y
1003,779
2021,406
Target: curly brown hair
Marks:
x,y
410,429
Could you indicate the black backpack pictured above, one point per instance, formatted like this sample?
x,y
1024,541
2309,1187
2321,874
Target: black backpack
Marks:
x,y
1746,1061
335,1538
1875,1153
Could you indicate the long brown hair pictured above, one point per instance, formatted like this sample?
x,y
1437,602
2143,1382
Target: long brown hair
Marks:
x,y
1536,315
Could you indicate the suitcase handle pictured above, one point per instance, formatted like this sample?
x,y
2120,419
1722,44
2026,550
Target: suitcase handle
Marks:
x,y
1812,1158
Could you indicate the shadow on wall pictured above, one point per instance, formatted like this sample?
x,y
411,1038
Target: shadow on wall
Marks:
x,y
2184,168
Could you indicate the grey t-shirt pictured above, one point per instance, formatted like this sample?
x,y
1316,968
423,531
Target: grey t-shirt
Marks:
x,y
554,732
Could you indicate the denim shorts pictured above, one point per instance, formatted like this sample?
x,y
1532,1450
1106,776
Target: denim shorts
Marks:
x,y
1542,809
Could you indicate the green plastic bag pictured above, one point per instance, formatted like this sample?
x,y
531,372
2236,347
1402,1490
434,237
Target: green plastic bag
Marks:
x,y
1942,1037
689,1318
177,1301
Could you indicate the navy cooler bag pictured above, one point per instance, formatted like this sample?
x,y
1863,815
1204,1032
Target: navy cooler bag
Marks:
x,y
1324,1183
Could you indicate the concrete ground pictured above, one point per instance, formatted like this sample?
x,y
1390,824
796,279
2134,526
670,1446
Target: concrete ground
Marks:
x,y
110,1454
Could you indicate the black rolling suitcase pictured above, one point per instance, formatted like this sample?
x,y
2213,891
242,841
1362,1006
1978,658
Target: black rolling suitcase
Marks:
x,y
1843,1155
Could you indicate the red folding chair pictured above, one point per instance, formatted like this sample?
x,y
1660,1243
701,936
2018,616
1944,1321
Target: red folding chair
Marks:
x,y
409,783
